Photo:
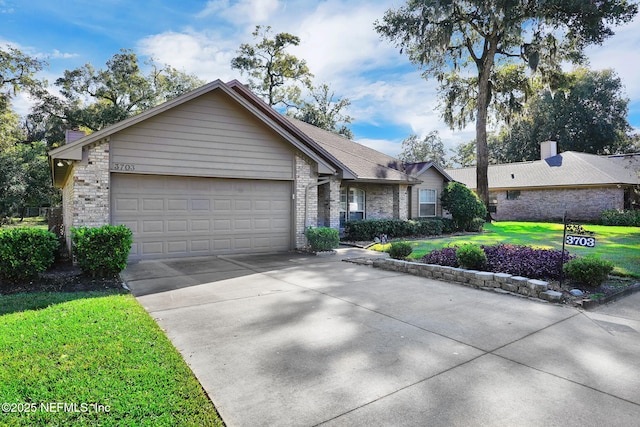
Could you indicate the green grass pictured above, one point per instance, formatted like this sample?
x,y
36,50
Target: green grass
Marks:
x,y
93,348
37,221
621,245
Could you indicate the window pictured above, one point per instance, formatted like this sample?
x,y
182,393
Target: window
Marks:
x,y
513,194
427,203
352,204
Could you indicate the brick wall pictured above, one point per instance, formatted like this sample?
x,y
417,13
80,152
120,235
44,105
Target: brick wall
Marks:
x,y
329,204
379,200
539,205
306,199
85,195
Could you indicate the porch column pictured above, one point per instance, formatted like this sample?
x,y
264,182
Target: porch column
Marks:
x,y
401,201
331,203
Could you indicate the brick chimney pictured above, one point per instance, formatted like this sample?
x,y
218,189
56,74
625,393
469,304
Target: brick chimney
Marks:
x,y
71,135
548,149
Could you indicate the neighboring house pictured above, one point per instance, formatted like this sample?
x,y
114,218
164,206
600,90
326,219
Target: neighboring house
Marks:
x,y
581,184
218,171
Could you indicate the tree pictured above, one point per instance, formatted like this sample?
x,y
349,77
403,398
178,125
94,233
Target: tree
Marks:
x,y
273,73
17,72
453,39
586,113
464,154
324,112
25,180
430,148
93,99
463,205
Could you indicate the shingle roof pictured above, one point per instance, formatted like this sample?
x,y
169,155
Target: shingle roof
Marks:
x,y
417,169
568,169
366,163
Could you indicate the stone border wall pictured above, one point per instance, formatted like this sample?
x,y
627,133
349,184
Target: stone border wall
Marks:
x,y
498,282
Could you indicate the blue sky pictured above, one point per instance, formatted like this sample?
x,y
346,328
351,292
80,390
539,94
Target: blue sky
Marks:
x,y
389,98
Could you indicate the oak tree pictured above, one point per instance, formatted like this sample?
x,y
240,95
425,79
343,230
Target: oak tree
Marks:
x,y
325,112
453,40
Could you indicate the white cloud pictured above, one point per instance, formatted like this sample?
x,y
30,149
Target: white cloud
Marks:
x,y
56,54
621,53
206,55
241,12
391,148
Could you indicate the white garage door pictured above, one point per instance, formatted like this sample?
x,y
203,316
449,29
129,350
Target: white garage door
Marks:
x,y
186,216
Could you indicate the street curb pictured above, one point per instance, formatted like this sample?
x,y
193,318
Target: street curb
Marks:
x,y
590,304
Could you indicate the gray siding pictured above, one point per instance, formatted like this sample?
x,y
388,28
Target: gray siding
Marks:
x,y
209,136
432,180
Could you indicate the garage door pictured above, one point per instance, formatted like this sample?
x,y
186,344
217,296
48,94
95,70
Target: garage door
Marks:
x,y
187,216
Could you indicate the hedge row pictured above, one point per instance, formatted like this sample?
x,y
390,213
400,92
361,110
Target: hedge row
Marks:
x,y
368,229
25,252
101,251
621,218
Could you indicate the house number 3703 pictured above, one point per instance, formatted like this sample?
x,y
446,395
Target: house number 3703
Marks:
x,y
127,167
588,242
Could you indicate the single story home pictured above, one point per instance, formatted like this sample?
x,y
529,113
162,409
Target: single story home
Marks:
x,y
581,184
218,171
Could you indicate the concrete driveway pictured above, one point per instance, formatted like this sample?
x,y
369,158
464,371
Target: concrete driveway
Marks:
x,y
302,340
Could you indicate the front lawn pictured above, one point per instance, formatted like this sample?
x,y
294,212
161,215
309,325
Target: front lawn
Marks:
x,y
621,245
92,358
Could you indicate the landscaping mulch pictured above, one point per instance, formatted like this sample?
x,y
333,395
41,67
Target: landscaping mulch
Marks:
x,y
611,288
61,277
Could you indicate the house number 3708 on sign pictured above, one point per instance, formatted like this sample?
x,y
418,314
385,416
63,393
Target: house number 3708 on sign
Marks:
x,y
585,241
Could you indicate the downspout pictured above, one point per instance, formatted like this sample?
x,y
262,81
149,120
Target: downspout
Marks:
x,y
306,198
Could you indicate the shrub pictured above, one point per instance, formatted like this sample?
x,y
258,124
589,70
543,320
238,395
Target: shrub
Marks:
x,y
368,229
471,257
102,251
322,238
463,205
525,261
428,226
448,225
445,256
476,225
512,259
25,252
620,218
590,270
400,250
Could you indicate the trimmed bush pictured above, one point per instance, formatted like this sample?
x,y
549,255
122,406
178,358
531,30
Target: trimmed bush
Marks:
x,y
512,259
322,238
525,261
463,205
25,252
471,257
445,256
400,250
590,270
620,218
476,225
369,229
102,251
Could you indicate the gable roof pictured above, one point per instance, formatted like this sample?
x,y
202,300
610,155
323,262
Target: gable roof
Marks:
x,y
568,169
73,150
417,169
333,153
357,161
